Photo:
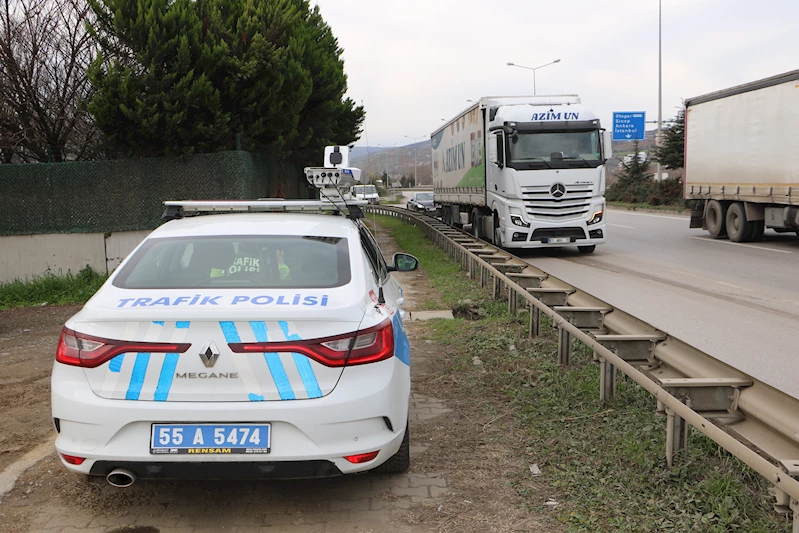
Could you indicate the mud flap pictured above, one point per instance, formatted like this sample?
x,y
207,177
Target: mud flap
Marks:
x,y
698,216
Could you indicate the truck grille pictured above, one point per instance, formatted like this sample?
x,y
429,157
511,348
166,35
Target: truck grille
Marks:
x,y
574,202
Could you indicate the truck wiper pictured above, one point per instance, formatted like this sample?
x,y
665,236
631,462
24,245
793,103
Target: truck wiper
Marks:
x,y
536,159
578,157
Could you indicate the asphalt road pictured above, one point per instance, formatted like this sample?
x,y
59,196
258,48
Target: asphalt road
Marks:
x,y
736,302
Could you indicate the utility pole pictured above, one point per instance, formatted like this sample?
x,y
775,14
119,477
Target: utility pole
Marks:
x,y
415,183
660,83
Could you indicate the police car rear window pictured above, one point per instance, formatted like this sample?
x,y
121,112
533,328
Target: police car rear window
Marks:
x,y
290,262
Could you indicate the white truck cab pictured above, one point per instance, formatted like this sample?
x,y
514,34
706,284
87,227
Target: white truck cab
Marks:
x,y
525,172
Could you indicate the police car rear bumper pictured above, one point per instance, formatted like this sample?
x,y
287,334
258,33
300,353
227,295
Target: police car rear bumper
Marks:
x,y
220,470
366,412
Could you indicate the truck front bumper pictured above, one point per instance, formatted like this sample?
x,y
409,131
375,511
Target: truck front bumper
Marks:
x,y
577,233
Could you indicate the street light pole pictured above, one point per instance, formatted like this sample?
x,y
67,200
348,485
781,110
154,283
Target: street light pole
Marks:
x,y
660,84
415,183
534,69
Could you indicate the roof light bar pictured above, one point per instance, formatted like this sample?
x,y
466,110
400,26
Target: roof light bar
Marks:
x,y
277,205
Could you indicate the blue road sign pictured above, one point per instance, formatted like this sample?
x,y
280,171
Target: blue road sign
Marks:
x,y
628,125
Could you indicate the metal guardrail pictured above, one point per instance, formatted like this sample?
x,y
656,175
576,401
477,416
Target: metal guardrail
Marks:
x,y
753,421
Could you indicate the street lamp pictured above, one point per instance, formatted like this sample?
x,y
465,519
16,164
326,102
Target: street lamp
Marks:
x,y
414,156
660,85
534,69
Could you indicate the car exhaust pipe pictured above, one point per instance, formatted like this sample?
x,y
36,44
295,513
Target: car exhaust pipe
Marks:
x,y
121,478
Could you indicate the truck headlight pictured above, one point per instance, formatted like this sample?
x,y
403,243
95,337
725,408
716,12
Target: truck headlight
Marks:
x,y
516,217
596,217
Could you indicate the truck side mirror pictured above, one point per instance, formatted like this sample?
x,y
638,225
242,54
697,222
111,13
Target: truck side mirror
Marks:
x,y
607,145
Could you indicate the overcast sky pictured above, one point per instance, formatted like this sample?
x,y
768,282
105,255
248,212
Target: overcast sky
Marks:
x,y
414,62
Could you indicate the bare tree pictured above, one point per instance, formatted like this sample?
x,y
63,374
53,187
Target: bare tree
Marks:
x,y
45,51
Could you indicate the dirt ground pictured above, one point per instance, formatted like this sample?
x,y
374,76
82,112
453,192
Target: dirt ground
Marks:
x,y
464,461
28,338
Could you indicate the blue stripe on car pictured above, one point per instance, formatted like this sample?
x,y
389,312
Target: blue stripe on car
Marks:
x,y
115,365
165,379
273,362
303,365
137,378
229,329
168,369
402,348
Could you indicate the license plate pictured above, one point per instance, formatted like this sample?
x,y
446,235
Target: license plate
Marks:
x,y
559,240
210,439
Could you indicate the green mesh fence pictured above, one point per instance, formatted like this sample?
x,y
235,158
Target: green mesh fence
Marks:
x,y
107,196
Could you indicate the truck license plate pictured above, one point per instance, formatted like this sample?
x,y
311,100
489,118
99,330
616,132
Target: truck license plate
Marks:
x,y
206,439
559,240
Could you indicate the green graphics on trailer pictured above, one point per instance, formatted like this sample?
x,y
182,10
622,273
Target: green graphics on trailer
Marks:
x,y
459,154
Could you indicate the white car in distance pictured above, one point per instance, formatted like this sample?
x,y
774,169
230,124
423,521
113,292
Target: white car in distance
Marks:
x,y
243,345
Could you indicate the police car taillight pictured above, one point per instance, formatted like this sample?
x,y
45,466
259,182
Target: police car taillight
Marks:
x,y
78,349
358,348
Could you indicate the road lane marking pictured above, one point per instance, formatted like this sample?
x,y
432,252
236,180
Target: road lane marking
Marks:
x,y
733,286
620,226
684,219
705,239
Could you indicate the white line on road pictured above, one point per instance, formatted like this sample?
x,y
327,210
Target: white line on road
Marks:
x,y
705,239
620,226
733,286
684,219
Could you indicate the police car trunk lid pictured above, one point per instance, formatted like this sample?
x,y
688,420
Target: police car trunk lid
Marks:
x,y
206,362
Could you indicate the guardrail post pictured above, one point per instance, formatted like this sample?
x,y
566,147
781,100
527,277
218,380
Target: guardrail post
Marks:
x,y
676,435
513,300
483,276
535,321
564,346
497,288
472,268
607,381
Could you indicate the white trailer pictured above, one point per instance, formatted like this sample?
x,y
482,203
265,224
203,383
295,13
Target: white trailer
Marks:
x,y
742,158
525,172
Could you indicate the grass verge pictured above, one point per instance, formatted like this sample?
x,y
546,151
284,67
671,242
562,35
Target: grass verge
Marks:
x,y
634,207
51,289
606,461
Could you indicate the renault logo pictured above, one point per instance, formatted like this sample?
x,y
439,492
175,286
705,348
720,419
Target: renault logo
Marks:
x,y
209,354
557,190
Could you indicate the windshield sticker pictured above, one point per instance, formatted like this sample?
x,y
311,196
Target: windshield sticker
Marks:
x,y
199,300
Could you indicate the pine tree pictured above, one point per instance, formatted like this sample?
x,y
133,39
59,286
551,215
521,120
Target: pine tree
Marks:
x,y
635,181
179,76
671,152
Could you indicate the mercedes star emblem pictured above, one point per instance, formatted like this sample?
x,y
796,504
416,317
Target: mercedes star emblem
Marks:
x,y
557,190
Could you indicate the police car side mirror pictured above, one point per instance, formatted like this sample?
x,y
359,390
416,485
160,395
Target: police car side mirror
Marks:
x,y
403,263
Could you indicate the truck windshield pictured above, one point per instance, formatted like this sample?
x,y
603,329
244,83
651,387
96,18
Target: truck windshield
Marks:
x,y
554,149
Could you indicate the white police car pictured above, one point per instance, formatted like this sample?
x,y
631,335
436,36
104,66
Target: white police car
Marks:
x,y
242,345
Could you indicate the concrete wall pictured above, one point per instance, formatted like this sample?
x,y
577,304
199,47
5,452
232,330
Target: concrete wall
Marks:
x,y
118,245
26,256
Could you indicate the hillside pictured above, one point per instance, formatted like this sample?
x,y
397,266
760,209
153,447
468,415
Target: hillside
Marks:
x,y
398,161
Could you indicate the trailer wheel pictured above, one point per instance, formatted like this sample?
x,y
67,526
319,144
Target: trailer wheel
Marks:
x,y
715,219
446,214
477,224
497,231
738,228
